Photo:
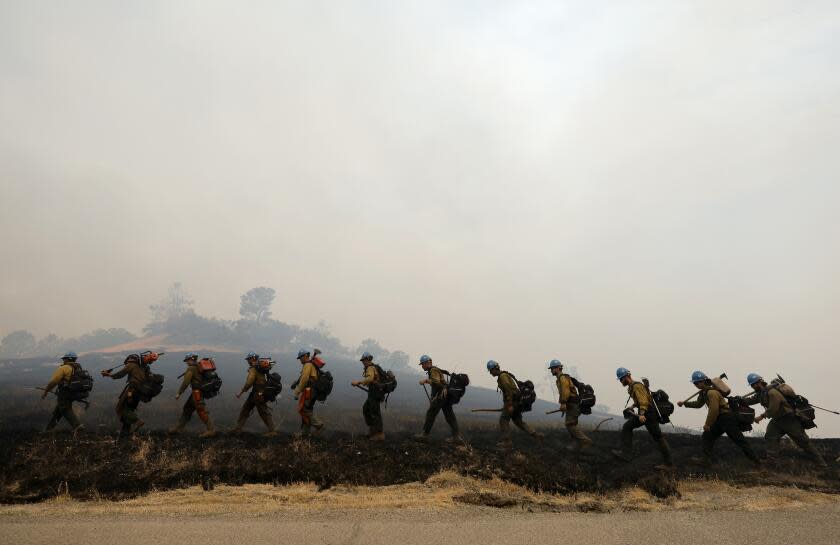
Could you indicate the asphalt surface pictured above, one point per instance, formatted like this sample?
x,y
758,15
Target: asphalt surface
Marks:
x,y
814,526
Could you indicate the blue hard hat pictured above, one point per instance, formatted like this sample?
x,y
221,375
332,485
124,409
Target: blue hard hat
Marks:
x,y
492,364
425,359
698,376
190,355
252,356
752,378
621,372
302,352
366,356
554,363
69,356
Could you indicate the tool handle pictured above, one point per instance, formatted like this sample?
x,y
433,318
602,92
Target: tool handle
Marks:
x,y
826,410
692,396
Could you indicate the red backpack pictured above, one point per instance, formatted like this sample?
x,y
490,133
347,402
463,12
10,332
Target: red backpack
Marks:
x,y
205,365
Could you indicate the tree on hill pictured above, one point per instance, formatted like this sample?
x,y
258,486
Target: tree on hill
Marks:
x,y
176,304
395,361
255,304
18,343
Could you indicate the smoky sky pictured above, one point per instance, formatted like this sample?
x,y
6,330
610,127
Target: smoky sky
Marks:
x,y
647,184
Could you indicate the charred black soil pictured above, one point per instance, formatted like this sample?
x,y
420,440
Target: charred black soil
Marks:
x,y
37,467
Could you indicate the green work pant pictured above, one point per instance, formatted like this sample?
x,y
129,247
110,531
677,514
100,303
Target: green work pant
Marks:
x,y
63,409
516,416
262,408
728,424
440,403
372,414
789,425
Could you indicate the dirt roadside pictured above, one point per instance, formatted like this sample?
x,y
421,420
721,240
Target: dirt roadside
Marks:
x,y
448,506
815,526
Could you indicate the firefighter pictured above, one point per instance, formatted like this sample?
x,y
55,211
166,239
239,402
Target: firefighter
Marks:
x,y
511,410
719,418
64,404
646,416
305,395
255,382
195,403
783,419
137,368
569,404
371,409
439,400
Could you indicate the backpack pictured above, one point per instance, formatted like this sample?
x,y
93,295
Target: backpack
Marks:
x,y
323,385
386,384
273,386
264,365
210,383
662,405
79,386
527,394
457,386
744,414
151,386
802,408
586,396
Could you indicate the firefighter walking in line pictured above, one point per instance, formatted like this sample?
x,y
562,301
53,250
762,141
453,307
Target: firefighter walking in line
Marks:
x,y
255,382
511,410
719,418
439,401
371,409
305,395
137,368
64,404
569,404
782,415
646,416
195,403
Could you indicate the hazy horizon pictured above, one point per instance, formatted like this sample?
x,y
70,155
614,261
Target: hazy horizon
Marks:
x,y
652,185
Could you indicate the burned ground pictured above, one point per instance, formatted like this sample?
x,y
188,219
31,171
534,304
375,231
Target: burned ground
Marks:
x,y
37,467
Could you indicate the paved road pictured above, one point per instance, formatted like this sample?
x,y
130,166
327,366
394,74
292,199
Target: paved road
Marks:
x,y
815,526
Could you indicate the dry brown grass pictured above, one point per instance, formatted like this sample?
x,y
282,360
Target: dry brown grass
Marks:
x,y
444,492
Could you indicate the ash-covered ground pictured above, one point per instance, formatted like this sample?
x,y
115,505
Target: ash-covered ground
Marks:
x,y
91,465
